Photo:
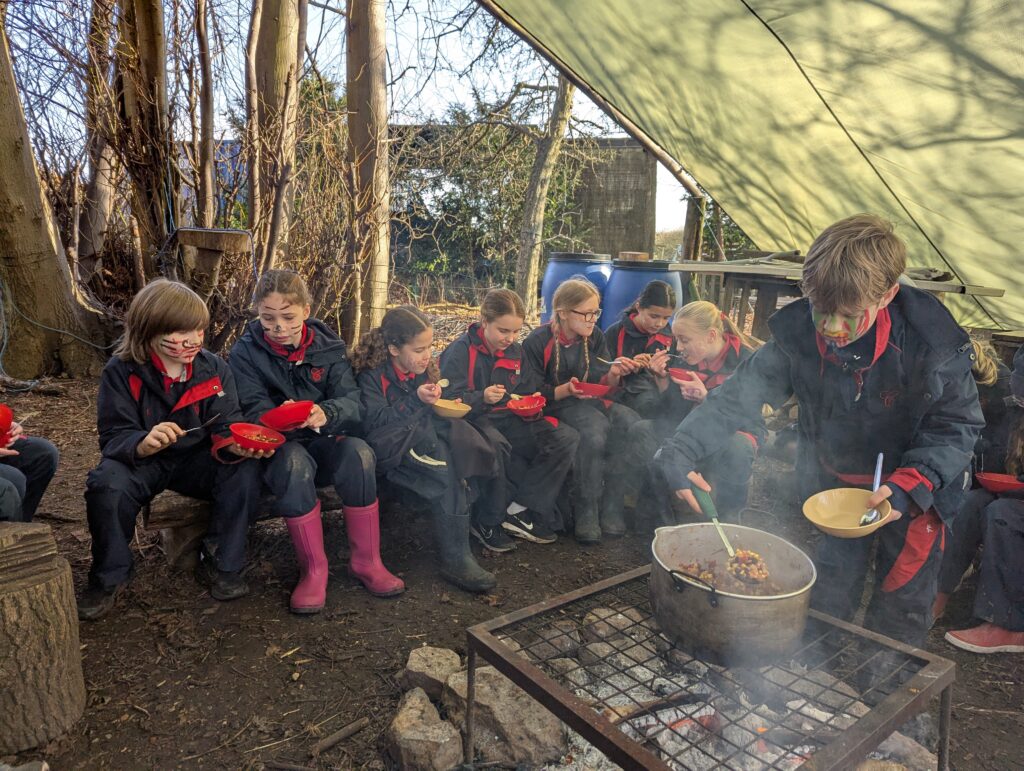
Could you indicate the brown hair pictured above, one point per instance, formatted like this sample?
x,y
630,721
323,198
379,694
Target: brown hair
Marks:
x,y
501,302
853,262
285,282
706,316
398,327
161,307
1015,444
570,293
986,363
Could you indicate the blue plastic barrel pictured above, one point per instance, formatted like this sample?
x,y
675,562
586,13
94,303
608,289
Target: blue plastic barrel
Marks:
x,y
628,280
562,265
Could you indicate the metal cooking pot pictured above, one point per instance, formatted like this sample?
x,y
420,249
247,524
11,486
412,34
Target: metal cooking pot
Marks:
x,y
738,629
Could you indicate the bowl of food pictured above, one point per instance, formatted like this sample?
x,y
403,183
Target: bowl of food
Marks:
x,y
593,389
289,416
250,436
528,406
448,408
678,373
838,512
999,483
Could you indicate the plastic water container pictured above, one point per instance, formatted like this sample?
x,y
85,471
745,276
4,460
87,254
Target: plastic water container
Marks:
x,y
562,265
628,280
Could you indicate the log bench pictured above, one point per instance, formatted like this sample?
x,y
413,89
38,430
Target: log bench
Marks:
x,y
182,522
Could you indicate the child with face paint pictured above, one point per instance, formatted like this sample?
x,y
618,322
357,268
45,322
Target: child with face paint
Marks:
x,y
483,368
437,459
557,358
875,367
640,334
163,413
286,356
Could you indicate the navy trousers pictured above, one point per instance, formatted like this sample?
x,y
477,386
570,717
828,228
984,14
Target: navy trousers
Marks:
x,y
24,477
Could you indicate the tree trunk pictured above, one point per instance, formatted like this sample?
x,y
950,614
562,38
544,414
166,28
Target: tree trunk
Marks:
x,y
693,227
531,235
42,692
368,156
718,228
145,141
207,208
99,191
35,273
272,97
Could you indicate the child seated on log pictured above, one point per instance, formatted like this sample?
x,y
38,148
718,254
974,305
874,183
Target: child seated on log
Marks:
x,y
163,415
441,460
642,331
286,356
875,367
483,368
995,524
27,464
707,349
559,356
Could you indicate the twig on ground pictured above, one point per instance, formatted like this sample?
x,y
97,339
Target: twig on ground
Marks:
x,y
338,736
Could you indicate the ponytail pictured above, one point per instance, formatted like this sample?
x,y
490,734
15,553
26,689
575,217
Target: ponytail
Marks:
x,y
370,352
706,316
986,365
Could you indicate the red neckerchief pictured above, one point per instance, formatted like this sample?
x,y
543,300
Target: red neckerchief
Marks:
x,y
398,374
562,340
483,347
883,328
167,379
296,354
732,343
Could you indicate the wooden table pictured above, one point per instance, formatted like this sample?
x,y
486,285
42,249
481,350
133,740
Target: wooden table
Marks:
x,y
773,280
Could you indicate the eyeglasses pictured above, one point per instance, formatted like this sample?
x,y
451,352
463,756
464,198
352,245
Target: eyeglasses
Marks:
x,y
589,316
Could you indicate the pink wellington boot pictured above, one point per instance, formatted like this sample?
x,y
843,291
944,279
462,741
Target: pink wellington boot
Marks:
x,y
307,533
362,523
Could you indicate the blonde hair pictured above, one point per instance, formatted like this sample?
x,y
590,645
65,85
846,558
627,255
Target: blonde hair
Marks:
x,y
570,293
284,282
986,363
501,302
853,262
161,307
706,316
398,327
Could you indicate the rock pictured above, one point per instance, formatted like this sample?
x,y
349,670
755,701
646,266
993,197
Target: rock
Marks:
x,y
429,668
509,726
557,640
570,670
603,624
419,739
595,653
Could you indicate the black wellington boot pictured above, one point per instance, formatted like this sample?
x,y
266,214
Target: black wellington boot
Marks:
x,y
588,528
458,565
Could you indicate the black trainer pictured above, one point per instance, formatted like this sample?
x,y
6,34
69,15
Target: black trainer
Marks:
x,y
96,602
493,538
529,526
223,585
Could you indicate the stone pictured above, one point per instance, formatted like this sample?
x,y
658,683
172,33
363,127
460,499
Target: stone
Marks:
x,y
569,670
419,740
559,639
429,668
509,726
602,624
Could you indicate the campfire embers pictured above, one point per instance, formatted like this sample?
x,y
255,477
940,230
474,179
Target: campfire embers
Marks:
x,y
694,714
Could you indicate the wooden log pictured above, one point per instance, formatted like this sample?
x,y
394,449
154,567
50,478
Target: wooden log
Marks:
x,y
42,692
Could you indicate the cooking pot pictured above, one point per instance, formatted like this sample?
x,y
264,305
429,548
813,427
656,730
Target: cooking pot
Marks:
x,y
737,629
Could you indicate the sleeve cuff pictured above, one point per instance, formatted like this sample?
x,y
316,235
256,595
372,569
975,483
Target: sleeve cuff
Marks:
x,y
911,490
674,468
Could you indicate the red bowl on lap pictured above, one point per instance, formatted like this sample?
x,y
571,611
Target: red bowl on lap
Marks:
x,y
528,406
250,436
6,418
999,483
287,417
678,373
593,389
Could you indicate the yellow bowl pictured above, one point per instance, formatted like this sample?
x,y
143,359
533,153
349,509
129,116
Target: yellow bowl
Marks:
x,y
838,512
446,408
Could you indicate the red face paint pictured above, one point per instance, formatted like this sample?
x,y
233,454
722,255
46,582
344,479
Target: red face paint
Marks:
x,y
842,329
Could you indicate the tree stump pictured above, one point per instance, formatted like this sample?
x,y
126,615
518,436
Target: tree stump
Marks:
x,y
42,692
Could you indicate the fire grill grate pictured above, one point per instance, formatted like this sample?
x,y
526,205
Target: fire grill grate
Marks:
x,y
596,659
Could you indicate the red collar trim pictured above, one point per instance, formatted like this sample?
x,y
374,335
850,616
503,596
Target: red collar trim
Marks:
x,y
883,330
296,354
561,339
483,347
400,377
156,361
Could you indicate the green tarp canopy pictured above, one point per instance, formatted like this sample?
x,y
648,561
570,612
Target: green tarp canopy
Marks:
x,y
794,114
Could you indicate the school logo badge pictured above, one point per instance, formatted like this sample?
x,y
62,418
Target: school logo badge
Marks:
x,y
889,398
317,373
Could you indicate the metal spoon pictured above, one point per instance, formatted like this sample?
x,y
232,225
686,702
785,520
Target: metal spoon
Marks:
x,y
443,382
708,507
207,423
872,516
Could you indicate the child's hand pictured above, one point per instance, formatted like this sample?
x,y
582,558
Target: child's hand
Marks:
x,y
623,366
657,365
160,436
643,360
573,388
494,394
317,418
429,393
243,453
686,494
15,433
883,493
693,389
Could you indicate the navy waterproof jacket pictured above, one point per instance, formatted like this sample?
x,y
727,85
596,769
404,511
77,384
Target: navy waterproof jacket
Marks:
x,y
538,372
470,367
319,371
135,397
910,395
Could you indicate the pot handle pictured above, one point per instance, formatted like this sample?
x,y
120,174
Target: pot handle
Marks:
x,y
677,580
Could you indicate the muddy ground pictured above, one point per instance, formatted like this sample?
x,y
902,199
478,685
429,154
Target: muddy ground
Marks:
x,y
179,680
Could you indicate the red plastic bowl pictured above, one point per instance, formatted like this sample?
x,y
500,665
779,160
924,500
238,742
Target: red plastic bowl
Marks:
x,y
250,436
999,483
528,406
681,374
6,418
593,389
287,417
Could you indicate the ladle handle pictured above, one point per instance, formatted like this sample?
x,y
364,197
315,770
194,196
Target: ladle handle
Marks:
x,y
707,506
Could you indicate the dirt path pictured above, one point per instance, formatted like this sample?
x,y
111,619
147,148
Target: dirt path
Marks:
x,y
178,680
